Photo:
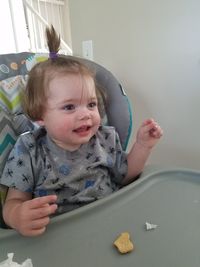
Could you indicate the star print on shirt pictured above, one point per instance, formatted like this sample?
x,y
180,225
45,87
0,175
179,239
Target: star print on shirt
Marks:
x,y
89,183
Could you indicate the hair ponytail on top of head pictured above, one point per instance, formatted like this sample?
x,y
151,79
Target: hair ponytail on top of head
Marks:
x,y
53,42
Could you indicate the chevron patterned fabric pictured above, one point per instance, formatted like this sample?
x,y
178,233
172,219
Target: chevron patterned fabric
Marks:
x,y
8,138
10,93
13,76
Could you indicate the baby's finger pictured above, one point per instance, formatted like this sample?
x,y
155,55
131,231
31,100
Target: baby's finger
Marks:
x,y
156,132
43,211
33,232
160,133
147,122
39,223
42,201
150,127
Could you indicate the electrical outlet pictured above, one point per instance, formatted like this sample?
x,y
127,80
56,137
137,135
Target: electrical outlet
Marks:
x,y
87,49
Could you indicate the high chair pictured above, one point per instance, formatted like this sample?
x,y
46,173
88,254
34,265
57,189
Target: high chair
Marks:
x,y
14,69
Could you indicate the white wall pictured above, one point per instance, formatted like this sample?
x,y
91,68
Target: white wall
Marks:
x,y
153,47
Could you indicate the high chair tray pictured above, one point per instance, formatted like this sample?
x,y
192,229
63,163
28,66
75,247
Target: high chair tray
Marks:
x,y
84,237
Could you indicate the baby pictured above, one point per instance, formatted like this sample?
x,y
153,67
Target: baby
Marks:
x,y
71,159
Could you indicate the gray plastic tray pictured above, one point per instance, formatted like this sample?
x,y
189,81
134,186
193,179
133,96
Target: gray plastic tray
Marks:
x,y
84,237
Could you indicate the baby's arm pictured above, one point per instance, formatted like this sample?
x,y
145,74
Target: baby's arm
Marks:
x,y
147,136
28,216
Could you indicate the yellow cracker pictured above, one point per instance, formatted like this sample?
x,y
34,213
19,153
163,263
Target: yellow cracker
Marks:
x,y
123,243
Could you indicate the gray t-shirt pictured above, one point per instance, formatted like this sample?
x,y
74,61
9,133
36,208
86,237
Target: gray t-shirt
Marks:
x,y
37,165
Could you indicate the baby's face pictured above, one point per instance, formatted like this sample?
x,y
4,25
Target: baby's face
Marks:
x,y
71,117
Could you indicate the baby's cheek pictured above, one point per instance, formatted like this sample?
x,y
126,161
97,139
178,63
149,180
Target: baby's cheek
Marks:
x,y
97,119
61,129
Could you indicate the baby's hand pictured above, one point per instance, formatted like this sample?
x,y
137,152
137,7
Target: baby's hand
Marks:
x,y
33,215
149,133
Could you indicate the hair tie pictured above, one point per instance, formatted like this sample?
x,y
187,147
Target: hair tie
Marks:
x,y
53,55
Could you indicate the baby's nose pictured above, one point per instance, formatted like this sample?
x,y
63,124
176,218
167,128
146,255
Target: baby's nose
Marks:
x,y
85,114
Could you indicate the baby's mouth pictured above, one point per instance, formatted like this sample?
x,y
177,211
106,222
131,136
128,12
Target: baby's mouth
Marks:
x,y
82,129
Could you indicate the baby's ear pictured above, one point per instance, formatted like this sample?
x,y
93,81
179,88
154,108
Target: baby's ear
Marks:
x,y
40,122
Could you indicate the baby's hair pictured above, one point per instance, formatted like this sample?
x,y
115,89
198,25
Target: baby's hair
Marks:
x,y
36,92
53,41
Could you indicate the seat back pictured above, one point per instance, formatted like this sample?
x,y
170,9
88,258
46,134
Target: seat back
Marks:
x,y
14,69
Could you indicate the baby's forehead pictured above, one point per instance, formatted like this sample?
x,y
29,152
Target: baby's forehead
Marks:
x,y
73,86
87,86
87,94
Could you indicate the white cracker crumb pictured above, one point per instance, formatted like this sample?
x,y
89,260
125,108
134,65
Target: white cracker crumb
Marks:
x,y
150,226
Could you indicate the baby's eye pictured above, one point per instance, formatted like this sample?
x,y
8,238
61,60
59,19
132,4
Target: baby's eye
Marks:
x,y
69,107
92,104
